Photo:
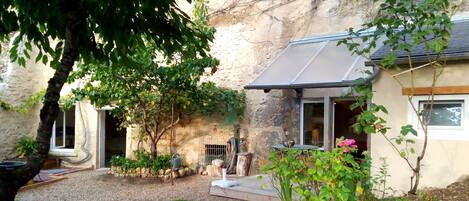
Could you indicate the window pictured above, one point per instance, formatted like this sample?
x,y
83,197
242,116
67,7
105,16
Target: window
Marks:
x,y
444,113
447,120
63,131
312,127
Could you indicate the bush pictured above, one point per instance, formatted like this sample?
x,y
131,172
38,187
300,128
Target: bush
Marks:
x,y
318,175
161,162
117,161
124,163
25,146
142,160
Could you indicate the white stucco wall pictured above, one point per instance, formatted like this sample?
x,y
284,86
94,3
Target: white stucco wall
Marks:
x,y
446,159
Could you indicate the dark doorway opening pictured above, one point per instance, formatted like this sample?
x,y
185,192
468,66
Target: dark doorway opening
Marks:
x,y
344,118
115,139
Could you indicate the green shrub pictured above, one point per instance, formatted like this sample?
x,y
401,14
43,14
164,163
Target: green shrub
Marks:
x,y
142,160
117,161
318,175
161,162
25,146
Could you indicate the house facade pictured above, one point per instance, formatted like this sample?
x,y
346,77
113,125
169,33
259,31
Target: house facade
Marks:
x,y
251,36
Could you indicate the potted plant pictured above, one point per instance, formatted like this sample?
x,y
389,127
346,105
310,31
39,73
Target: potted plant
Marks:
x,y
25,147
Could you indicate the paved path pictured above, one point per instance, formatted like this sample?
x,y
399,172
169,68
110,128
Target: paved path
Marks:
x,y
97,185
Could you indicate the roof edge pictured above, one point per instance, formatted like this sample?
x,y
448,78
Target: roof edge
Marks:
x,y
458,56
346,83
330,37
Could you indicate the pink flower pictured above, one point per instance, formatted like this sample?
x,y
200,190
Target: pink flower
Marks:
x,y
347,144
346,150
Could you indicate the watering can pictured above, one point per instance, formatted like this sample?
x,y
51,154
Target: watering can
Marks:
x,y
176,161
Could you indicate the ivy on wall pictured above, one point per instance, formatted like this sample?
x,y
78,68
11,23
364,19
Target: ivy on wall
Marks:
x,y
26,105
66,102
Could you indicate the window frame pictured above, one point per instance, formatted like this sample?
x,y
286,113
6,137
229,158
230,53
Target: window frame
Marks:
x,y
61,149
441,102
306,101
441,132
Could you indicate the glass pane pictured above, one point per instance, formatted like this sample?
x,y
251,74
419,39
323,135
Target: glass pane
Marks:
x,y
59,130
444,113
285,68
70,128
313,124
330,65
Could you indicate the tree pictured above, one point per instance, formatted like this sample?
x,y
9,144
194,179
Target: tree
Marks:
x,y
155,96
90,32
403,26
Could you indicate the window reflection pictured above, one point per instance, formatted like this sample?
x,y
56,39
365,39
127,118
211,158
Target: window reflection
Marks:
x,y
313,124
444,113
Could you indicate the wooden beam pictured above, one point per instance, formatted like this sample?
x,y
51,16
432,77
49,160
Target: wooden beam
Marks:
x,y
448,90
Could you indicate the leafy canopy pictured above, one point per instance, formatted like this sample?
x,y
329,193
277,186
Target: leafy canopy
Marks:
x,y
148,90
111,32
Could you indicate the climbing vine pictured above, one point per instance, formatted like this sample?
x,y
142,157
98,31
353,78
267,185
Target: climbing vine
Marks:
x,y
65,102
26,105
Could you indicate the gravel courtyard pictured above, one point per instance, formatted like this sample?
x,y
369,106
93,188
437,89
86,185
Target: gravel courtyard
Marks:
x,y
97,185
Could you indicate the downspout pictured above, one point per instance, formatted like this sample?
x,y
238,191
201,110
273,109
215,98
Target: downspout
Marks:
x,y
376,71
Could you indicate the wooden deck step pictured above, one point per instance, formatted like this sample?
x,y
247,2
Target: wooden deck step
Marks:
x,y
250,188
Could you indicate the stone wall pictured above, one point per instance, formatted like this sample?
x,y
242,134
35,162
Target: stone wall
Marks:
x,y
16,85
250,34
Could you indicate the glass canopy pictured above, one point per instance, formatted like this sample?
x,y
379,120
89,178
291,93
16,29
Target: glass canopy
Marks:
x,y
312,63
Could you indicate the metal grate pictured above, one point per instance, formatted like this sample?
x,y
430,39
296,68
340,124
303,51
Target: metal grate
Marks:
x,y
211,148
214,151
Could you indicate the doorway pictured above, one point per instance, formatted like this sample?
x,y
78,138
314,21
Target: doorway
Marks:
x,y
344,118
114,138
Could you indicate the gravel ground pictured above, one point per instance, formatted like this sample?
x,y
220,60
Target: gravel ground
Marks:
x,y
97,185
457,191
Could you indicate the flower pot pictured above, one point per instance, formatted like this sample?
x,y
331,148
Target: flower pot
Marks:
x,y
11,165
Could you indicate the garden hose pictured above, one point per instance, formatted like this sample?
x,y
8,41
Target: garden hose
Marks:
x,y
83,144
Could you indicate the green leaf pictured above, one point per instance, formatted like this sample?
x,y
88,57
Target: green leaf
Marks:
x,y
402,154
408,129
45,59
39,57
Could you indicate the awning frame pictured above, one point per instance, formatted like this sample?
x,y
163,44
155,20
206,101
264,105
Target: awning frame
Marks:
x,y
326,39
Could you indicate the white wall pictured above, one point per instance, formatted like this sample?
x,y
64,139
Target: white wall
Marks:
x,y
446,160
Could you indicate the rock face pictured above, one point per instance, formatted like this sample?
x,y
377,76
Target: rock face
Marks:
x,y
250,34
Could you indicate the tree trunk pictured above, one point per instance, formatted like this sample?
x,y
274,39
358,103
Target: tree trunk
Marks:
x,y
414,187
12,180
153,150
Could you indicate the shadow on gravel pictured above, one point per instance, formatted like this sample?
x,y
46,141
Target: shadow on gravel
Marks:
x,y
108,178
